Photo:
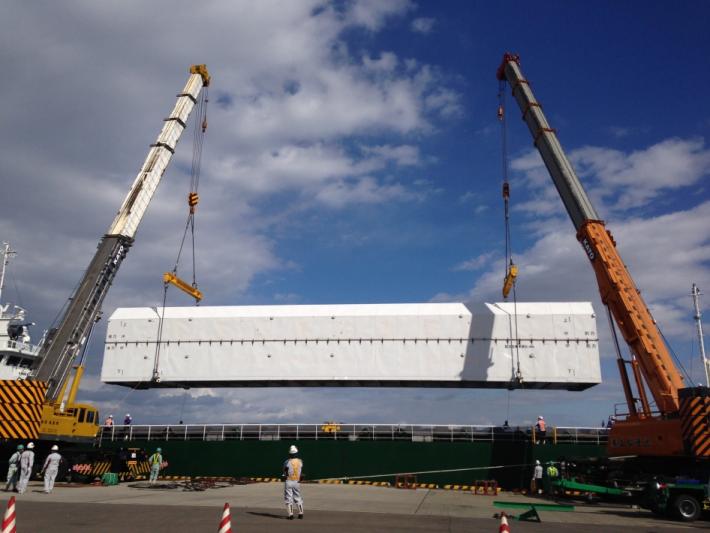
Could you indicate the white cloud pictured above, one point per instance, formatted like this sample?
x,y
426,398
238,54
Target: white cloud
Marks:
x,y
616,180
634,179
423,25
363,190
475,263
372,14
387,62
555,266
402,155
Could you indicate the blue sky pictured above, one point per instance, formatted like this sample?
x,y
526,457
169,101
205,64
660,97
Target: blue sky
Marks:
x,y
353,156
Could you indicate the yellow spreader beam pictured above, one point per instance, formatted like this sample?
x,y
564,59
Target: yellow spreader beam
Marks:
x,y
509,280
169,277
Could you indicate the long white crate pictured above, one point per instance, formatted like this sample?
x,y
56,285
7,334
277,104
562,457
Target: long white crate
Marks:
x,y
547,345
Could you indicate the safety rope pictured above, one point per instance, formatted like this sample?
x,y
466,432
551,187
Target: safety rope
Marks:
x,y
511,270
466,469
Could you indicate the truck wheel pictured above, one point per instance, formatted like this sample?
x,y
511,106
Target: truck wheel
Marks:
x,y
686,508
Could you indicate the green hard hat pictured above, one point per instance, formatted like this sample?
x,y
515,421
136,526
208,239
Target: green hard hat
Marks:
x,y
20,447
158,450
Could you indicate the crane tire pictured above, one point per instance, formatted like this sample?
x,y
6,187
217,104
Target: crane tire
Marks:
x,y
686,508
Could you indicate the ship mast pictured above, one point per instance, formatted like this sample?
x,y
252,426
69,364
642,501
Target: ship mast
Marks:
x,y
5,260
695,292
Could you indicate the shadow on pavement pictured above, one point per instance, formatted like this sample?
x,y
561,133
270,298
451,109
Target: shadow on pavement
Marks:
x,y
268,515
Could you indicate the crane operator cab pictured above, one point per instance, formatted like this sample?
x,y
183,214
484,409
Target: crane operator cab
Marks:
x,y
68,419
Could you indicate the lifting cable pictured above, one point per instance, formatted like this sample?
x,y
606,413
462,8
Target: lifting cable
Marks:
x,y
511,270
200,126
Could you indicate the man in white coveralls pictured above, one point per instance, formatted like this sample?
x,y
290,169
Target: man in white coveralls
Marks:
x,y
13,469
50,468
27,460
292,472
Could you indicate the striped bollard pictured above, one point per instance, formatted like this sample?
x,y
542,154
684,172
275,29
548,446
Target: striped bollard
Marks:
x,y
8,523
503,524
225,525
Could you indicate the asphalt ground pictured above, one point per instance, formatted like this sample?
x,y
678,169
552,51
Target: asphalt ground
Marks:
x,y
341,508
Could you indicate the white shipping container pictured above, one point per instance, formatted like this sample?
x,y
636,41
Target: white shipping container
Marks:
x,y
547,345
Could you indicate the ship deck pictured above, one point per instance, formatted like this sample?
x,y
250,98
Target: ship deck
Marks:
x,y
343,508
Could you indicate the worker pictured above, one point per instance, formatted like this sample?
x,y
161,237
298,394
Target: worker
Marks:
x,y
27,460
155,461
127,420
13,469
292,473
551,475
541,430
109,421
536,481
50,468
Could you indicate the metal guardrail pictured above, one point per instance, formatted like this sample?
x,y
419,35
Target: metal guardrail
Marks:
x,y
349,432
19,346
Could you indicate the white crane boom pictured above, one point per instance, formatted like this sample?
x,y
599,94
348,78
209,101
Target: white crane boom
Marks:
x,y
63,344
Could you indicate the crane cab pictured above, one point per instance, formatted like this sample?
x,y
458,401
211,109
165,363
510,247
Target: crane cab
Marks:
x,y
76,422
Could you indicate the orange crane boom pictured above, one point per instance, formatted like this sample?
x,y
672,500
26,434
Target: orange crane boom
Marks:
x,y
668,431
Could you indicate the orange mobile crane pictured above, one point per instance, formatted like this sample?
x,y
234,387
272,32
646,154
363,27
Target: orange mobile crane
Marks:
x,y
679,425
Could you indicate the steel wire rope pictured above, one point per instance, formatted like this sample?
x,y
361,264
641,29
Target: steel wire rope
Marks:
x,y
493,467
508,239
200,126
675,356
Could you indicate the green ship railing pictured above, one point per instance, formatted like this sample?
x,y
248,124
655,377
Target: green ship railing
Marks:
x,y
351,432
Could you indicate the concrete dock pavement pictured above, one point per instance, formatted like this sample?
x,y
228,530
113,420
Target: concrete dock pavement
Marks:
x,y
343,508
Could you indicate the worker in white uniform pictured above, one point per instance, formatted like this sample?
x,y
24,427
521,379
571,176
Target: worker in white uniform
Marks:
x,y
536,482
27,460
13,469
50,468
292,473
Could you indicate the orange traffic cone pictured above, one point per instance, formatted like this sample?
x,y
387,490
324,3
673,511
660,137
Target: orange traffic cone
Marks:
x,y
8,523
503,524
225,525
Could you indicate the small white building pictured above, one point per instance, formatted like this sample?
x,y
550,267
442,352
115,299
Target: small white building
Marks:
x,y
548,345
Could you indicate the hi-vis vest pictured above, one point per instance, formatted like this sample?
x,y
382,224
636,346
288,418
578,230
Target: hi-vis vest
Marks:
x,y
293,468
156,459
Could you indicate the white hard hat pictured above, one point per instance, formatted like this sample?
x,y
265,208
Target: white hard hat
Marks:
x,y
55,448
540,417
30,445
128,414
110,416
537,461
292,449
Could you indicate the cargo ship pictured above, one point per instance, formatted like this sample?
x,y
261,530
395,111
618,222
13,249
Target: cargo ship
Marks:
x,y
455,455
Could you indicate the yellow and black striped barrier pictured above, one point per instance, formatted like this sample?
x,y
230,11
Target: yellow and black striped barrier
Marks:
x,y
457,487
99,468
21,404
695,419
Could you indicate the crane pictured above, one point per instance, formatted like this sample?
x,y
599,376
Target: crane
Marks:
x,y
680,424
60,417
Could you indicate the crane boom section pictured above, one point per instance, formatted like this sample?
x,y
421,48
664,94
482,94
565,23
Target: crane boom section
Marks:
x,y
618,291
62,346
616,285
134,206
573,195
